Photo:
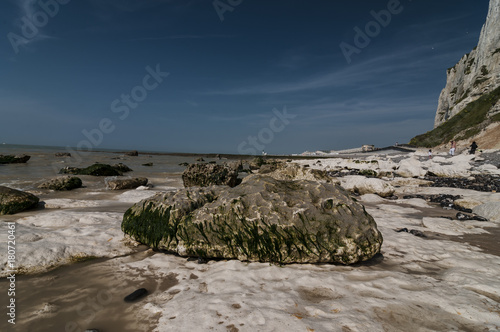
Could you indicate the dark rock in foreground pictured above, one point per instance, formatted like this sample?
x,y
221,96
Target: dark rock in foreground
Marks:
x,y
263,219
136,295
13,201
95,170
205,175
10,159
131,183
62,183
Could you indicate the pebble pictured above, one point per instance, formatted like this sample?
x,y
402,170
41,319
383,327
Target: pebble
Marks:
x,y
141,292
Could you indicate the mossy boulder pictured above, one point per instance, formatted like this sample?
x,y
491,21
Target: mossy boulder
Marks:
x,y
95,170
10,159
129,183
13,201
263,219
62,183
204,175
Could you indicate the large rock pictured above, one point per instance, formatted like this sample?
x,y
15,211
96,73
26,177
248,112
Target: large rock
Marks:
x,y
10,159
490,210
410,167
131,183
262,219
95,170
361,185
291,171
14,201
62,183
204,175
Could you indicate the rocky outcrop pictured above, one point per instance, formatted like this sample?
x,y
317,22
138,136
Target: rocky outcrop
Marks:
x,y
14,201
62,183
476,74
10,159
262,219
131,183
95,170
205,175
122,168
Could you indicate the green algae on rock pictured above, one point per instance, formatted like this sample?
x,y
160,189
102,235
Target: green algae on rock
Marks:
x,y
13,201
263,219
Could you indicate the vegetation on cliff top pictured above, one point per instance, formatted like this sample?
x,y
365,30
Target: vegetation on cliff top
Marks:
x,y
464,125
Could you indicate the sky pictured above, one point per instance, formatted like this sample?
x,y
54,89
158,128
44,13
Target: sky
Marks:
x,y
227,76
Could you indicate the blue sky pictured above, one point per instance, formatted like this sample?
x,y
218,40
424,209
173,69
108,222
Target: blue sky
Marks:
x,y
269,75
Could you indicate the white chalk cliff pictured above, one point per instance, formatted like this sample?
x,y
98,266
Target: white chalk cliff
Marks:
x,y
476,73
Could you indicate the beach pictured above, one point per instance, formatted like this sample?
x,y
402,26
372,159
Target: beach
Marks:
x,y
74,265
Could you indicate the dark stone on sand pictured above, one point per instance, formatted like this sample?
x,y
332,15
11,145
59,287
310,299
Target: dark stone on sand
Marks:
x,y
462,216
148,164
132,153
200,159
184,164
62,183
205,175
13,201
95,170
202,260
92,330
136,295
131,183
62,154
10,159
411,231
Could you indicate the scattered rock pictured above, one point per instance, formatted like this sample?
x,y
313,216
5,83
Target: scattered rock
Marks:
x,y
486,183
462,216
62,183
10,159
136,295
200,159
130,183
132,153
411,231
184,164
13,201
204,175
95,170
62,154
148,164
263,219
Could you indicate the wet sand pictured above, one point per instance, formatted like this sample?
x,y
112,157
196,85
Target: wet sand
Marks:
x,y
85,295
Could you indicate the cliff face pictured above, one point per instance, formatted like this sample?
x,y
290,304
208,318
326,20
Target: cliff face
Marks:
x,y
476,74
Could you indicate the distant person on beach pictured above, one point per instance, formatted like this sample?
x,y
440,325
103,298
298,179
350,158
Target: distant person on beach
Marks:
x,y
453,148
473,147
430,154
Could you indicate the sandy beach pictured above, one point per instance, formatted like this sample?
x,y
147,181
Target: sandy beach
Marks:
x,y
74,266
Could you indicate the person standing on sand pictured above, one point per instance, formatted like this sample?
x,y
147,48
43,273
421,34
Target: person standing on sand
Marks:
x,y
473,147
453,148
430,154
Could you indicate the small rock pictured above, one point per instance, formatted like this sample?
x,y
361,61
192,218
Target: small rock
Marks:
x,y
62,154
202,260
200,159
402,230
122,168
132,183
148,164
132,153
417,233
141,292
62,183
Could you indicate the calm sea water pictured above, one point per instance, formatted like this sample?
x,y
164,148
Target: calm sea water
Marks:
x,y
45,165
